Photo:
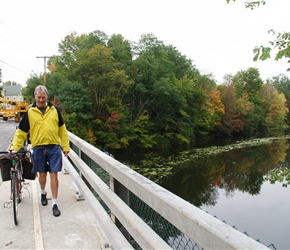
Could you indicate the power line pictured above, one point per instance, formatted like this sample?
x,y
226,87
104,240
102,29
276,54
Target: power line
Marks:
x,y
27,66
14,45
13,67
32,47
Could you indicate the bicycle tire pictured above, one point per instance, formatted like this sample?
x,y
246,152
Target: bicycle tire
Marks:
x,y
14,190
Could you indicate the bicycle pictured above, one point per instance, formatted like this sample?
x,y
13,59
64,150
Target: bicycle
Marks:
x,y
15,175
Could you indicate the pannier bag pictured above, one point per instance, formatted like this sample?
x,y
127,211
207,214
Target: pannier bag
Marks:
x,y
5,165
27,167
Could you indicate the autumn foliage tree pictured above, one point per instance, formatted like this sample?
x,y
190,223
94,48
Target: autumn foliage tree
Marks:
x,y
120,94
251,105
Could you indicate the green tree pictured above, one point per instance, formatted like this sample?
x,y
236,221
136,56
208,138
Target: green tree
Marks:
x,y
122,52
248,81
251,105
237,110
247,85
274,106
160,74
73,99
211,108
228,97
282,84
31,83
86,62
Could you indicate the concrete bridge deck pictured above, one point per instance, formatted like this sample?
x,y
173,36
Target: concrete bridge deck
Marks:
x,y
76,228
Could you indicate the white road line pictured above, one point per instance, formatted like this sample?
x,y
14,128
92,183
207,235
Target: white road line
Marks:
x,y
37,223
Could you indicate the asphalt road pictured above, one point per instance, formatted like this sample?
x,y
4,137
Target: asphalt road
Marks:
x,y
7,130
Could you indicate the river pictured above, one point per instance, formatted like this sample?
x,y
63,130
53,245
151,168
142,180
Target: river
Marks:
x,y
228,180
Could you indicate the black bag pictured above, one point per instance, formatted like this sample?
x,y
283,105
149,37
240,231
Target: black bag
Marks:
x,y
5,165
27,168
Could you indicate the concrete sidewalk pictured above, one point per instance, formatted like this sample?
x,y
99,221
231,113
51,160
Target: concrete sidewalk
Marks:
x,y
37,228
76,228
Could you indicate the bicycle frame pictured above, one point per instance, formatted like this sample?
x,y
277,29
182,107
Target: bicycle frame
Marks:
x,y
16,184
16,174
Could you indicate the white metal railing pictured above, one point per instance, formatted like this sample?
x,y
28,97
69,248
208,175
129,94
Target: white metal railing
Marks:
x,y
202,228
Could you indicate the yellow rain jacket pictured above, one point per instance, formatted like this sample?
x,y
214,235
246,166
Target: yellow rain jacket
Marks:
x,y
45,129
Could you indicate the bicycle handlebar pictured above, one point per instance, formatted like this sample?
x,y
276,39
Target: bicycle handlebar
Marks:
x,y
22,152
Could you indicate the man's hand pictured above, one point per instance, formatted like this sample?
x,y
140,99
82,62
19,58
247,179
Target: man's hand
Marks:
x,y
12,150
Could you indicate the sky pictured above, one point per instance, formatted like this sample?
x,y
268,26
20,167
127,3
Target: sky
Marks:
x,y
218,37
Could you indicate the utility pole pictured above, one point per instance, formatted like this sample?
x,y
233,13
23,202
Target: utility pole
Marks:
x,y
44,74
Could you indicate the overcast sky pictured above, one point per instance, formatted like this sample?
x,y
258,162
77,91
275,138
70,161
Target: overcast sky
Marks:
x,y
218,37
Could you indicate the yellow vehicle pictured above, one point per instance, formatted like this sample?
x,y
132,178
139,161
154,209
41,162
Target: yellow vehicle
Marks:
x,y
12,109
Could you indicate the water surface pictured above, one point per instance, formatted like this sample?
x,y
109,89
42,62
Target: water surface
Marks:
x,y
228,181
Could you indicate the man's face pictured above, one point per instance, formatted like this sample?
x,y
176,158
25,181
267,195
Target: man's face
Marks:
x,y
40,98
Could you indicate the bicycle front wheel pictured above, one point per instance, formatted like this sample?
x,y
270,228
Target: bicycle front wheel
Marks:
x,y
15,195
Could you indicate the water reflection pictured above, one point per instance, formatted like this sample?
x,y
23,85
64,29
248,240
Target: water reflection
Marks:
x,y
197,175
208,176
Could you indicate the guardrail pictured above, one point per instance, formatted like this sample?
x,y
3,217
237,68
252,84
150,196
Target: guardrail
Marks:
x,y
121,224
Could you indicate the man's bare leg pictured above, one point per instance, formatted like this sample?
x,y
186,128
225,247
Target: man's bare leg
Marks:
x,y
54,192
42,183
54,185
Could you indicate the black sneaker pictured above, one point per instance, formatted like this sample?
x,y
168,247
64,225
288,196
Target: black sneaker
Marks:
x,y
19,198
44,199
55,211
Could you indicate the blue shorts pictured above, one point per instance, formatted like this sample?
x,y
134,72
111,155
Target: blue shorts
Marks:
x,y
47,159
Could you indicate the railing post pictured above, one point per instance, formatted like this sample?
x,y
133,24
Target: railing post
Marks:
x,y
123,193
78,195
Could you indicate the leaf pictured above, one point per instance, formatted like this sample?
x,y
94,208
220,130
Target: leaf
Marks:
x,y
281,53
265,53
256,51
261,53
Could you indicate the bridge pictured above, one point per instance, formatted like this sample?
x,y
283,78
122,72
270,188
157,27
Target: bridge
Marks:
x,y
107,205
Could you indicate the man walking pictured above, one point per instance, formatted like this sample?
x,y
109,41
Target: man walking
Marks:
x,y
49,138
